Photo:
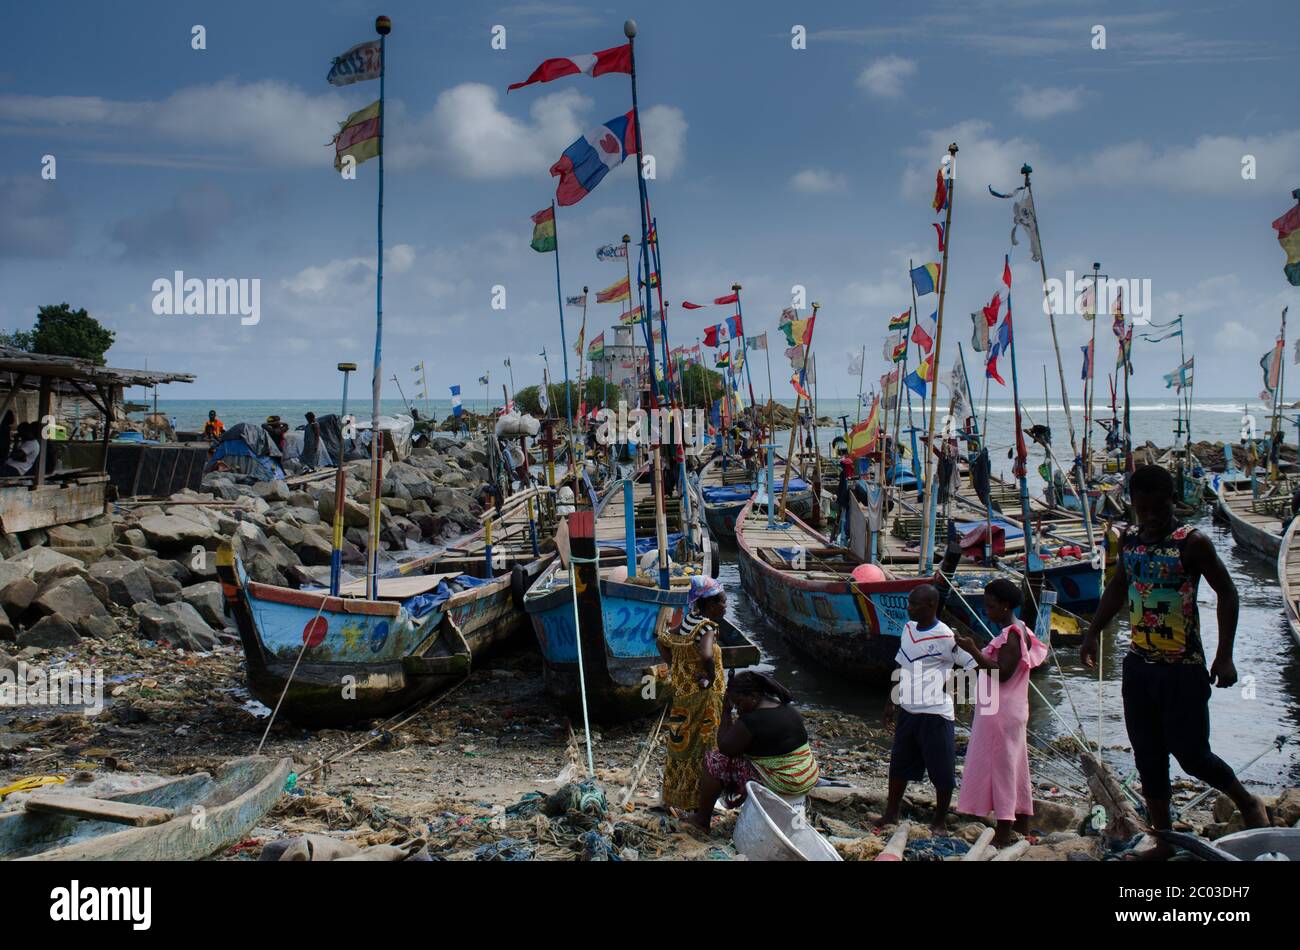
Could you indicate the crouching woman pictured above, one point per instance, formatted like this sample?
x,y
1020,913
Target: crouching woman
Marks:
x,y
762,738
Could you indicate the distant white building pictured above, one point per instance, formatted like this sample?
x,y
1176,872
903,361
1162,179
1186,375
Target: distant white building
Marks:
x,y
622,360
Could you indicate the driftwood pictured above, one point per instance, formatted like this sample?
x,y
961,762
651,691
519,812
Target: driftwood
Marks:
x,y
1122,819
978,850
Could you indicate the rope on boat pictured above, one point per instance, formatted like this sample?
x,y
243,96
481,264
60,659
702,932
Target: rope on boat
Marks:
x,y
577,639
289,680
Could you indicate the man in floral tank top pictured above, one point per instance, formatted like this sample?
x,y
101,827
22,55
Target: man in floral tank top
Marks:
x,y
1166,686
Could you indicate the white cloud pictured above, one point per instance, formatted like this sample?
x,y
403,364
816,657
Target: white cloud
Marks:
x,y
468,133
816,181
333,277
1048,101
884,77
981,158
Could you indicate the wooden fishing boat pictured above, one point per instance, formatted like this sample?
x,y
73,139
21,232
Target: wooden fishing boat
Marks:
x,y
727,488
1288,574
1256,515
597,628
801,583
331,660
154,820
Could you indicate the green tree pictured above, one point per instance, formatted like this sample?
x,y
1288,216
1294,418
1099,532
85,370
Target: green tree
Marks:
x,y
18,339
62,331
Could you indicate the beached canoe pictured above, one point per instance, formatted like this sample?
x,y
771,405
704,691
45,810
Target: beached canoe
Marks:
x,y
801,584
1256,515
597,630
1288,574
181,818
335,660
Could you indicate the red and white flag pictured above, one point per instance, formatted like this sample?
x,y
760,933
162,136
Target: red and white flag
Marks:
x,y
615,60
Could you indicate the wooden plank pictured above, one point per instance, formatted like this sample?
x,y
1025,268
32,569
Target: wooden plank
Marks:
x,y
98,809
397,588
22,509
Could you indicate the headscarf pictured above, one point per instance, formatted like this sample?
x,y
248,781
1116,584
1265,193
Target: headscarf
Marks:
x,y
702,587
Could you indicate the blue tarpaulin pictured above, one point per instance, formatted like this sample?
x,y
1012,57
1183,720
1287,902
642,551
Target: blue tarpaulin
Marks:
x,y
728,493
422,604
643,545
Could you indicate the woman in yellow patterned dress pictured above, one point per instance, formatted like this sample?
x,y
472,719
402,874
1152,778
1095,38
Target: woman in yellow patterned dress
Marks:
x,y
695,664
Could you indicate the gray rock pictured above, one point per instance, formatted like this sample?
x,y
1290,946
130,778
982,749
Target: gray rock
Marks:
x,y
355,514
44,566
178,624
127,581
49,632
207,599
170,532
275,490
73,599
17,594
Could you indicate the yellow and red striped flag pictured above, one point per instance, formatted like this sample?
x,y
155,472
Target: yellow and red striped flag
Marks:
x,y
862,437
358,136
615,292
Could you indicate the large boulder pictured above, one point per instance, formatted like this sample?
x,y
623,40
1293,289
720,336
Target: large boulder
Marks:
x,y
207,599
45,566
315,548
355,514
73,599
49,633
127,581
178,624
87,535
274,490
17,590
170,532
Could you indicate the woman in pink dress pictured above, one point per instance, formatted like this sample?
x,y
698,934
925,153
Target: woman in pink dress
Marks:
x,y
996,777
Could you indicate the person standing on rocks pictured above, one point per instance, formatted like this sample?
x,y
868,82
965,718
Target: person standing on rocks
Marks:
x,y
1166,686
214,428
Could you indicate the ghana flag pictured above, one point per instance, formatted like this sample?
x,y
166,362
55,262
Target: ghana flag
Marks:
x,y
543,231
1288,235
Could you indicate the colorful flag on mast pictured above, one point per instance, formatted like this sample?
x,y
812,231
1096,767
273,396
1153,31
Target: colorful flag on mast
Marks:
x,y
901,321
1271,364
358,136
798,332
579,301
925,279
543,231
617,59
596,351
1181,378
940,192
615,292
1288,235
757,342
364,61
1087,361
612,252
923,331
861,440
588,160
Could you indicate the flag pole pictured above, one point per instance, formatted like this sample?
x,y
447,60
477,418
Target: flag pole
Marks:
x,y
862,363
927,540
564,343
1060,365
794,424
1090,384
661,526
771,402
744,355
383,26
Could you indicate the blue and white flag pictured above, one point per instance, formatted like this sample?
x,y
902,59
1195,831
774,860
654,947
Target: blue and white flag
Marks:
x,y
612,252
455,401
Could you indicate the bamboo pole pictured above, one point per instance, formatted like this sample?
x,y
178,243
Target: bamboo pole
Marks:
x,y
927,542
794,425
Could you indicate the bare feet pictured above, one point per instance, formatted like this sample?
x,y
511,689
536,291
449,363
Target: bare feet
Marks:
x,y
939,827
1001,841
1256,814
1161,851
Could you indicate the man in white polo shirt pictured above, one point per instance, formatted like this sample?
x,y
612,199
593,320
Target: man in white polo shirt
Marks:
x,y
923,732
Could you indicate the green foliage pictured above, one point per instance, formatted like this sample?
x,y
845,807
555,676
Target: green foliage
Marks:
x,y
62,331
18,339
528,400
700,386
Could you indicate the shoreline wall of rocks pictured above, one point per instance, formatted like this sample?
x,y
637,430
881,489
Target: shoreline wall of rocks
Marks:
x,y
151,566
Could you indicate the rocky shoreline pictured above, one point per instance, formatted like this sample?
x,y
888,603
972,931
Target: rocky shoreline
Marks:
x,y
155,560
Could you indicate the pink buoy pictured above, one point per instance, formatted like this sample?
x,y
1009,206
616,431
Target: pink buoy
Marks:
x,y
868,574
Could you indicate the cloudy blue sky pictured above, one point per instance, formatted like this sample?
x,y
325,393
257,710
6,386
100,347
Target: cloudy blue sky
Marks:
x,y
776,167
